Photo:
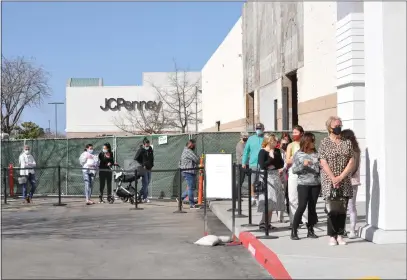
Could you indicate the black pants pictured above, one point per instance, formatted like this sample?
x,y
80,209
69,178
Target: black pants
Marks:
x,y
336,224
242,176
307,196
287,199
105,178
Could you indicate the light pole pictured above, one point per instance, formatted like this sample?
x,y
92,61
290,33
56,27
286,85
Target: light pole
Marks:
x,y
56,115
196,108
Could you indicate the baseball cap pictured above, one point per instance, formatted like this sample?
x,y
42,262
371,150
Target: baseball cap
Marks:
x,y
259,126
244,134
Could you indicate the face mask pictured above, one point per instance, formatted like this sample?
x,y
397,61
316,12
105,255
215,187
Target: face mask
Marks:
x,y
105,151
259,132
244,139
26,152
192,147
90,151
337,130
296,137
146,147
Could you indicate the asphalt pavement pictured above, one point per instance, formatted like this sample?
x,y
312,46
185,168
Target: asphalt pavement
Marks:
x,y
106,241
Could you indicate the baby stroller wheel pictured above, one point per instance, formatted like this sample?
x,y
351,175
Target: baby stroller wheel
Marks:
x,y
131,200
125,199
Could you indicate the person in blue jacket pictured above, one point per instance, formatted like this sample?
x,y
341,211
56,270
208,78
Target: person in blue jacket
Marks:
x,y
251,152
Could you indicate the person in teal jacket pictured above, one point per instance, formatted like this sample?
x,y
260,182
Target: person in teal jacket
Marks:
x,y
251,152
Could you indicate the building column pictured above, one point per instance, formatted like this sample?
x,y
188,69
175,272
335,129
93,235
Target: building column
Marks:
x,y
385,100
351,82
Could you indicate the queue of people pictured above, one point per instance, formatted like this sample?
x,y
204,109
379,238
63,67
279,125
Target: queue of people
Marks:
x,y
104,161
298,173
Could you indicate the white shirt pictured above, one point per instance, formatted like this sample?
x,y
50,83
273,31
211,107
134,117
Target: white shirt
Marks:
x,y
26,161
88,160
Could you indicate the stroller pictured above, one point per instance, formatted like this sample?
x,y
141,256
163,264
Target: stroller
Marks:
x,y
124,193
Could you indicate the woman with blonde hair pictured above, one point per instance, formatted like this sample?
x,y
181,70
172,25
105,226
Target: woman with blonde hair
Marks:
x,y
336,158
270,159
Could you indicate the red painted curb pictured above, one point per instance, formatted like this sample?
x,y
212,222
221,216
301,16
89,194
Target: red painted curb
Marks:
x,y
263,255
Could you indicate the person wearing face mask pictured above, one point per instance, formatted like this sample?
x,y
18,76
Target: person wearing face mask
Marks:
x,y
145,157
251,154
189,160
239,153
337,161
285,140
292,148
106,160
306,166
26,160
89,163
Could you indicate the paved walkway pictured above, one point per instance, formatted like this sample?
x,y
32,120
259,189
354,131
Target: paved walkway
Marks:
x,y
108,241
314,258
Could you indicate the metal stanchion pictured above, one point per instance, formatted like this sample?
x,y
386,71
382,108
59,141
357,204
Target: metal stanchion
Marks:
x,y
266,209
59,189
250,224
180,194
239,196
5,184
234,239
135,194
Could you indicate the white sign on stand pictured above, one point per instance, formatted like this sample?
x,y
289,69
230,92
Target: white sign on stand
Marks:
x,y
218,175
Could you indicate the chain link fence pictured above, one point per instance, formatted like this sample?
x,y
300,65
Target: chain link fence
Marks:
x,y
50,153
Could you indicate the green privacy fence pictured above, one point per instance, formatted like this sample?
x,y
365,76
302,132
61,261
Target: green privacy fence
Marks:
x,y
50,153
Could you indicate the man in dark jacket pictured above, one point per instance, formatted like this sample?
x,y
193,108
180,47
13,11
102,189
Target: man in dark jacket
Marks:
x,y
145,157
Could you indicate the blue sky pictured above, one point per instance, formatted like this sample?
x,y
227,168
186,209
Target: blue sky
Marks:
x,y
114,41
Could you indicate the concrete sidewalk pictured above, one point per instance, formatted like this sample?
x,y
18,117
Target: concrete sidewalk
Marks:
x,y
314,258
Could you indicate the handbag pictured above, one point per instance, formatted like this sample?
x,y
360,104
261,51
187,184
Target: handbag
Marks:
x,y
258,185
335,204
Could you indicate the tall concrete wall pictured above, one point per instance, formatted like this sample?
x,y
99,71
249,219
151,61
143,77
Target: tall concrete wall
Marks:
x,y
272,41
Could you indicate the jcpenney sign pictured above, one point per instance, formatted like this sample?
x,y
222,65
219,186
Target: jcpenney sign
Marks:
x,y
116,104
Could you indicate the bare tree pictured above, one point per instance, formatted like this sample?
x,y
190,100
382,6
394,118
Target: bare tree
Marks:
x,y
142,121
180,98
22,85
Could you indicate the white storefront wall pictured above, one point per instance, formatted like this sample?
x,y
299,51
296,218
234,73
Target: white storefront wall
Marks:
x,y
317,77
222,82
83,106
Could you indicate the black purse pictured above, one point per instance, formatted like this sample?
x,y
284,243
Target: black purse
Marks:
x,y
335,204
258,186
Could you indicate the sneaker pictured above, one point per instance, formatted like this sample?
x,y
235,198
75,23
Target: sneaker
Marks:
x,y
341,241
101,200
352,235
146,200
193,207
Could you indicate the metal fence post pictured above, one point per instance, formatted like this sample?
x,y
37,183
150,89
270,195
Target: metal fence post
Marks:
x,y
266,209
59,189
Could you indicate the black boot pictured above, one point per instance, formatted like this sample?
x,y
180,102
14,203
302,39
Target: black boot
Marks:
x,y
101,199
294,235
311,233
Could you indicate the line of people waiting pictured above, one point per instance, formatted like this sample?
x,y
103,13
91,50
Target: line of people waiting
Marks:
x,y
298,173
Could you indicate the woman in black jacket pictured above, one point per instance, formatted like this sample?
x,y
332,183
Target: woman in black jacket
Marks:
x,y
106,160
270,158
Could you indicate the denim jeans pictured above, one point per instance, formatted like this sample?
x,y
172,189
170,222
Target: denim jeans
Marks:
x,y
145,181
190,178
88,179
31,179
